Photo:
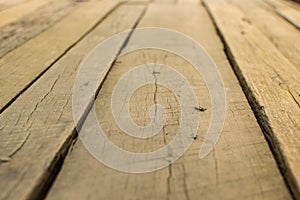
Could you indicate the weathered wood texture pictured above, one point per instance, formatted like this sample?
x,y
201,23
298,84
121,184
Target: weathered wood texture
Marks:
x,y
288,12
4,4
16,33
241,165
37,128
270,82
21,67
20,10
281,33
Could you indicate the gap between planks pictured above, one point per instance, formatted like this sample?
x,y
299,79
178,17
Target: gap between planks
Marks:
x,y
241,166
262,15
58,125
290,12
51,45
270,97
20,31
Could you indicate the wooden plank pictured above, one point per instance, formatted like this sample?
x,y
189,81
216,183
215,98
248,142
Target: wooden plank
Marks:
x,y
22,66
37,128
268,79
241,165
17,33
292,3
4,4
284,36
20,10
291,14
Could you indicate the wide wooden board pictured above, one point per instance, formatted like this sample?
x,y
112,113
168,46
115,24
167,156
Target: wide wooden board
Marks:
x,y
270,82
241,165
38,127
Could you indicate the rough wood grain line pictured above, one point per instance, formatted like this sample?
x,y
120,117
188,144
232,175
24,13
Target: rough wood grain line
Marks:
x,y
4,4
20,10
21,67
291,14
284,36
17,33
267,78
44,112
241,166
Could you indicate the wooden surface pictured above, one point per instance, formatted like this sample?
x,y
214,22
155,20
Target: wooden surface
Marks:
x,y
20,10
287,11
16,33
4,4
282,35
268,79
233,170
47,104
255,45
50,45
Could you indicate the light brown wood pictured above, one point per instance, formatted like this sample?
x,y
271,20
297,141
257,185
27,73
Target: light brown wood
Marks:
x,y
37,128
268,80
241,165
4,4
21,67
17,33
281,33
290,13
20,10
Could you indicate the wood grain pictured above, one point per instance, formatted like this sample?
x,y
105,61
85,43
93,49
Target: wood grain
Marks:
x,y
14,34
38,127
281,33
20,10
241,165
268,79
4,4
21,67
290,13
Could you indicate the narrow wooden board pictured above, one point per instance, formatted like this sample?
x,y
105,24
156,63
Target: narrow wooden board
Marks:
x,y
241,165
291,14
38,127
268,79
284,36
20,10
24,65
17,33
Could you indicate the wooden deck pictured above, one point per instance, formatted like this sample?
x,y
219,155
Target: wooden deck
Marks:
x,y
255,46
